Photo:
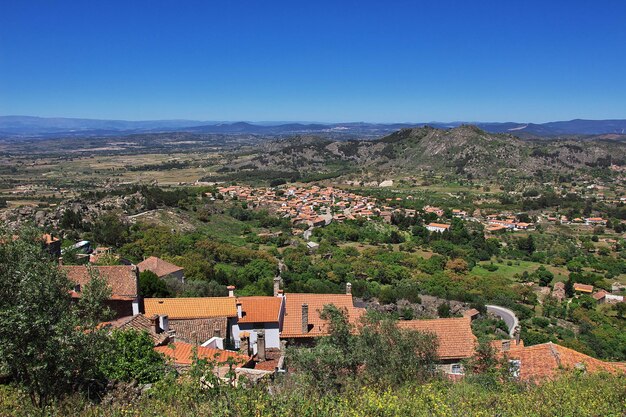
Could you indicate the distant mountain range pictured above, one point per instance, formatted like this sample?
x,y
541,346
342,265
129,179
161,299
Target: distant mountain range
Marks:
x,y
29,126
465,150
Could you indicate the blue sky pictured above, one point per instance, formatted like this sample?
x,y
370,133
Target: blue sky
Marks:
x,y
381,61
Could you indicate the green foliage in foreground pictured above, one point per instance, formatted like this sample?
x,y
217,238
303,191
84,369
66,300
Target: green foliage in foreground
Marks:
x,y
574,395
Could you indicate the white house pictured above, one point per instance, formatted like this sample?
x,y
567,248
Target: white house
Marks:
x,y
256,315
437,227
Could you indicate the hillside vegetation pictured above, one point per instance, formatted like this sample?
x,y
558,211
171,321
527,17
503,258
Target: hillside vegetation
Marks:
x,y
465,150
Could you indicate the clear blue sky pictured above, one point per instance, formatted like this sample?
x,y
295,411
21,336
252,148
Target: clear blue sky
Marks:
x,y
435,60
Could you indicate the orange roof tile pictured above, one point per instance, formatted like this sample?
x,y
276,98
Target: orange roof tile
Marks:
x,y
548,360
121,278
199,331
157,265
191,308
454,335
292,323
583,287
260,309
140,323
441,225
182,354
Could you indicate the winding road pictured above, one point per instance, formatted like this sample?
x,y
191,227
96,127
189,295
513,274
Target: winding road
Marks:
x,y
507,315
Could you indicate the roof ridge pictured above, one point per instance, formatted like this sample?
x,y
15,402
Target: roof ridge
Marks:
x,y
555,353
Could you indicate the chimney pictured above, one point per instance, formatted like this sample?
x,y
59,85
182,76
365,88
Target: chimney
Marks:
x,y
276,286
506,346
154,323
231,290
60,261
348,288
305,318
244,345
517,334
260,345
239,311
164,323
217,332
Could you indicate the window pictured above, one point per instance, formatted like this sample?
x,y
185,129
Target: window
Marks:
x,y
456,369
514,367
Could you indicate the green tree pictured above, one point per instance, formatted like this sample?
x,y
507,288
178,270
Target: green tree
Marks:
x,y
150,285
45,347
110,230
443,310
91,307
132,357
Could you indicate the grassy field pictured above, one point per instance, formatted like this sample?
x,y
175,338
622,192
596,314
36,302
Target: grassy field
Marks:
x,y
518,267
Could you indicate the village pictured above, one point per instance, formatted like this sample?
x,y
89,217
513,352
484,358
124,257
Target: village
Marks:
x,y
317,206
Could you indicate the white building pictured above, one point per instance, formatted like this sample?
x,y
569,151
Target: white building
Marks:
x,y
437,227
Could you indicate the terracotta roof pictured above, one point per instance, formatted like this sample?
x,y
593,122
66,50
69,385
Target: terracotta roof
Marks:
x,y
198,331
157,265
471,313
292,323
440,225
121,278
191,308
182,354
260,309
548,360
583,287
599,295
140,323
454,335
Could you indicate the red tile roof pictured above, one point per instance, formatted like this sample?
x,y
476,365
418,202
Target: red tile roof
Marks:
x,y
583,287
260,309
292,323
599,295
157,265
549,360
440,225
140,323
191,308
454,335
198,331
182,354
121,278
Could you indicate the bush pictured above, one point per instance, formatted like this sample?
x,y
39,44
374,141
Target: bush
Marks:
x,y
132,357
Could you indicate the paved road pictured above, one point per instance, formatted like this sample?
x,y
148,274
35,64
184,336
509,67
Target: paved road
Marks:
x,y
507,315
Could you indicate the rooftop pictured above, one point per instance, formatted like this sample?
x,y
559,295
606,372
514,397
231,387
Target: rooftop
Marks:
x,y
260,309
454,335
121,278
292,324
548,360
191,308
157,265
182,354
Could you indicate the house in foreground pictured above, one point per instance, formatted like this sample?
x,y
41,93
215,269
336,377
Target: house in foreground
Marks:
x,y
548,361
455,340
122,279
302,320
181,354
196,320
258,315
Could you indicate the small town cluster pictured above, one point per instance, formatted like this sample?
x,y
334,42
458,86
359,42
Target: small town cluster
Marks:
x,y
319,206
